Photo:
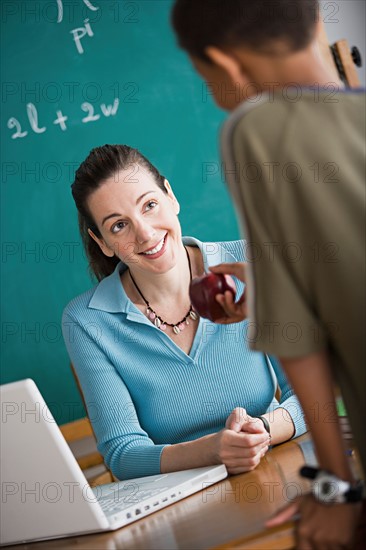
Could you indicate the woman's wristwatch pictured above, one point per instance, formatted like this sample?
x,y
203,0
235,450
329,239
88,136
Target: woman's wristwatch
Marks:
x,y
266,425
329,489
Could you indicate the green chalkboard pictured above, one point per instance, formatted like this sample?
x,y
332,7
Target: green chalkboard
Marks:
x,y
77,74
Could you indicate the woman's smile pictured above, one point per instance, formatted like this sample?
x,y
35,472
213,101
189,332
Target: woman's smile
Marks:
x,y
157,250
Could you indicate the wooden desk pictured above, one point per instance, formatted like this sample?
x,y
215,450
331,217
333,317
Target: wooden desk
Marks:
x,y
219,516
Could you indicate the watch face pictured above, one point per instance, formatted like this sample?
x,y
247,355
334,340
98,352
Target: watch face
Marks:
x,y
328,488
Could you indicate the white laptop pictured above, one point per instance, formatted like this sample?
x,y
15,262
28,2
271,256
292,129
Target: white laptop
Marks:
x,y
44,493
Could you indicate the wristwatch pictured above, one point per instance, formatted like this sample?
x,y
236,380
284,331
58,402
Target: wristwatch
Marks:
x,y
266,425
329,489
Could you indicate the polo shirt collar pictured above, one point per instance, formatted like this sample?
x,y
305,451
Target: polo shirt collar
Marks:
x,y
111,297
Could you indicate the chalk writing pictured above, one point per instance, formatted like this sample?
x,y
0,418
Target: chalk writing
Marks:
x,y
61,118
60,8
80,32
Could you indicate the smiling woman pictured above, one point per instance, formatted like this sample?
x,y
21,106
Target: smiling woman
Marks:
x,y
148,365
109,164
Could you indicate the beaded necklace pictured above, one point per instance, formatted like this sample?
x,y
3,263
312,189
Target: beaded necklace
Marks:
x,y
157,320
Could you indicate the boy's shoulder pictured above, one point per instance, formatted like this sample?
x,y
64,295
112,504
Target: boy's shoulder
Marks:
x,y
275,110
280,124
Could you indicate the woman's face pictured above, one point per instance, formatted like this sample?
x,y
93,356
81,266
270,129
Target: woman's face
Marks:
x,y
137,220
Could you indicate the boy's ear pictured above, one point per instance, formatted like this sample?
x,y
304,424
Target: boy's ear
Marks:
x,y
226,62
100,242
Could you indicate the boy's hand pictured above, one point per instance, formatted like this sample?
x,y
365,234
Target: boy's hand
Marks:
x,y
235,311
320,526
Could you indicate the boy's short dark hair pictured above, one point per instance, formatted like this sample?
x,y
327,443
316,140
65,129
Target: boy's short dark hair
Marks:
x,y
256,24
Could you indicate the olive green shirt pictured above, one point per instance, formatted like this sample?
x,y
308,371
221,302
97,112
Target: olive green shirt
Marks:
x,y
296,172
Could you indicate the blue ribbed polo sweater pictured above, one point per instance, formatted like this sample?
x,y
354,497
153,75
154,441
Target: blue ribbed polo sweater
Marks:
x,y
143,392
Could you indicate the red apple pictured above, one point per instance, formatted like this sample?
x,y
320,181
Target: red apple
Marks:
x,y
203,291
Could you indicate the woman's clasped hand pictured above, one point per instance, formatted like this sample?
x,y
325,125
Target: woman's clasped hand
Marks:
x,y
242,443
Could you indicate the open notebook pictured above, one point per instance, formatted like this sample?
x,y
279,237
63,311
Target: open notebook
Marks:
x,y
46,495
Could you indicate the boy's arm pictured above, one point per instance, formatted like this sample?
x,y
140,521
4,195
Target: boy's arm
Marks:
x,y
312,382
333,526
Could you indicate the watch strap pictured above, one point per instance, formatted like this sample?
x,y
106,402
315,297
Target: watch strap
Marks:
x,y
355,493
309,472
266,424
